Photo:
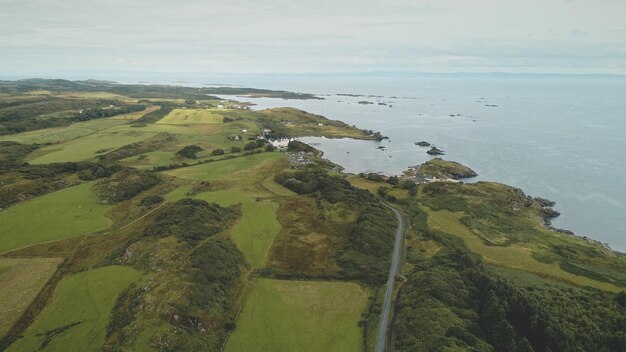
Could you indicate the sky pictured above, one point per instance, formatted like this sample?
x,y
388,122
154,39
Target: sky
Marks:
x,y
52,37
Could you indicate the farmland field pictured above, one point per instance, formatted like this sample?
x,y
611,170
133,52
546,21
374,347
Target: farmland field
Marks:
x,y
62,134
67,213
135,115
192,116
300,316
21,279
78,313
86,148
222,168
255,231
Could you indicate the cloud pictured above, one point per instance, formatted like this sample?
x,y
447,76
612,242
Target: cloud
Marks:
x,y
312,36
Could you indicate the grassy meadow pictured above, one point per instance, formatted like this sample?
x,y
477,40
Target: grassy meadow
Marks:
x,y
21,280
303,316
255,231
78,313
67,213
192,116
239,182
63,134
86,148
223,168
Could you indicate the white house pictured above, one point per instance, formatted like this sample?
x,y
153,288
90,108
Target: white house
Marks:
x,y
280,144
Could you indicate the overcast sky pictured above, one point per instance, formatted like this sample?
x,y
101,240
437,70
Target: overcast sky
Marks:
x,y
291,36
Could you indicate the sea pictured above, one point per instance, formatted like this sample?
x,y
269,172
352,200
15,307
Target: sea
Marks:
x,y
556,137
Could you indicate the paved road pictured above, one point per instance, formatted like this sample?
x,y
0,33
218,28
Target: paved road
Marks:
x,y
381,336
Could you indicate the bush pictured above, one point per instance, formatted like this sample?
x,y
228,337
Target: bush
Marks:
x,y
192,220
189,152
126,185
151,200
254,144
235,150
217,152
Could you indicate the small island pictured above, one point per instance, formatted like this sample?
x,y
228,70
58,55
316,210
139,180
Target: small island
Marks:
x,y
444,169
435,151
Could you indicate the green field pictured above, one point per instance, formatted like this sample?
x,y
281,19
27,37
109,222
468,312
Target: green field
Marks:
x,y
255,231
300,316
87,147
66,213
21,279
217,169
63,134
78,313
192,116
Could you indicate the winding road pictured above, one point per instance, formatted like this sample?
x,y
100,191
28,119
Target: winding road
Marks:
x,y
381,336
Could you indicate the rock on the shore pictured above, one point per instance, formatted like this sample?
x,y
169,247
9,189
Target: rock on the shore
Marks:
x,y
445,169
435,151
422,144
545,202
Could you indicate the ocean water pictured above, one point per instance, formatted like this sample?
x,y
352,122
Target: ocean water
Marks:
x,y
558,138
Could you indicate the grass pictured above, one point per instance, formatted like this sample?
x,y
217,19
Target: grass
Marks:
x,y
300,316
136,115
66,213
97,95
150,159
78,313
87,147
21,280
63,134
256,230
222,168
369,185
515,256
304,246
258,226
192,116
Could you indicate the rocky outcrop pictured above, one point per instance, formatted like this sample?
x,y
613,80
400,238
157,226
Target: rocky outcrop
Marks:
x,y
440,168
435,151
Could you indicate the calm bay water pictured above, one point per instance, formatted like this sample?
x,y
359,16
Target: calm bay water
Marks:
x,y
558,138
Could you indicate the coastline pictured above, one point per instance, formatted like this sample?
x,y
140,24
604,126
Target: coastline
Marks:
x,y
413,173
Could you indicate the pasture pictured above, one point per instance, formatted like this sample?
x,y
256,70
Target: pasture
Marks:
x,y
281,315
21,280
192,116
67,213
78,312
258,226
87,147
223,168
62,134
